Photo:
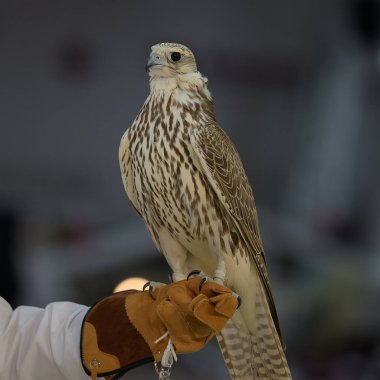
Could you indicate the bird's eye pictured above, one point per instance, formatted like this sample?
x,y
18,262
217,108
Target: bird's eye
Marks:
x,y
175,56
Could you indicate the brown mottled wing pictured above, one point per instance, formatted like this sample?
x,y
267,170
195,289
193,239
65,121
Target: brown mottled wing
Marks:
x,y
222,166
125,161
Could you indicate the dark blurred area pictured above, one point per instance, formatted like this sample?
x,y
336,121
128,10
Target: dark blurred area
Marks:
x,y
297,87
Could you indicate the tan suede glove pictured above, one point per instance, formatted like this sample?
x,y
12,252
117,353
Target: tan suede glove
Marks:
x,y
131,328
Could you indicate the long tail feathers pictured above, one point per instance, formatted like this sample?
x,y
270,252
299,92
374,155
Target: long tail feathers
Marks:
x,y
237,352
258,354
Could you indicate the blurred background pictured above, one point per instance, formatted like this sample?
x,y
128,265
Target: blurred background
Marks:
x,y
297,87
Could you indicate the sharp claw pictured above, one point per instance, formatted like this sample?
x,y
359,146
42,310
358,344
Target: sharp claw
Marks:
x,y
151,292
204,279
239,301
146,285
152,285
193,273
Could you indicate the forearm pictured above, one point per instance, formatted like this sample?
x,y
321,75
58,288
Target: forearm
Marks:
x,y
41,343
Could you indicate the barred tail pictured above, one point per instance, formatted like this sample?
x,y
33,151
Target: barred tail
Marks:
x,y
257,355
237,352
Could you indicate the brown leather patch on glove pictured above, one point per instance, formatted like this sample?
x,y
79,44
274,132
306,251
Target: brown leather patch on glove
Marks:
x,y
109,341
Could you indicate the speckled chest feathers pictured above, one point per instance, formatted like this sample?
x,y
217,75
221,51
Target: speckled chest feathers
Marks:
x,y
171,192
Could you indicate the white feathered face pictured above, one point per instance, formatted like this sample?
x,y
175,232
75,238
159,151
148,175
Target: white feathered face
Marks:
x,y
169,60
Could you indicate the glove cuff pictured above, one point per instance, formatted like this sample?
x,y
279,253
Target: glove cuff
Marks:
x,y
110,343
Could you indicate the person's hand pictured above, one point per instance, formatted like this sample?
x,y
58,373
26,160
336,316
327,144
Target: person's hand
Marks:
x,y
189,311
131,328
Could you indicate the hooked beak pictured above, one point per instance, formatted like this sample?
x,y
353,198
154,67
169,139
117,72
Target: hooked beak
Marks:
x,y
153,60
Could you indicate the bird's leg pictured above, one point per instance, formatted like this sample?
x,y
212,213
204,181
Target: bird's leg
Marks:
x,y
220,272
177,276
175,254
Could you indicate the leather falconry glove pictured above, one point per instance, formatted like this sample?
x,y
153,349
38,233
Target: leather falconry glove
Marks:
x,y
131,328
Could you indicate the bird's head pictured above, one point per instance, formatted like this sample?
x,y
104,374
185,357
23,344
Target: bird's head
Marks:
x,y
168,60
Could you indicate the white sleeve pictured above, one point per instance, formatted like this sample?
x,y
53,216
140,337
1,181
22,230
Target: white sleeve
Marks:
x,y
40,344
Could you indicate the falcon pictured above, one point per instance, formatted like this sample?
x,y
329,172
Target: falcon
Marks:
x,y
184,177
